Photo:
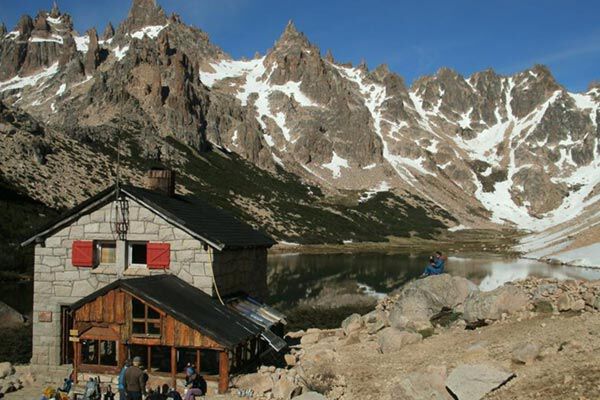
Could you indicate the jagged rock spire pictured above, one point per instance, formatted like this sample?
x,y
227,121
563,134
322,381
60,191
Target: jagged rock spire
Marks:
x,y
55,13
109,32
2,29
92,57
25,26
329,56
144,13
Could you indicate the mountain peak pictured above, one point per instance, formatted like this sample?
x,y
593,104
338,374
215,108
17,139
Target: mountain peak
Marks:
x,y
55,12
109,32
144,13
291,35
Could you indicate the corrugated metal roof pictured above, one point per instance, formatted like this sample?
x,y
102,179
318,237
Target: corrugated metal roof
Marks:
x,y
260,313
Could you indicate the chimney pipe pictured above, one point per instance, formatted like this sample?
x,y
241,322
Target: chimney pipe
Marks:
x,y
161,180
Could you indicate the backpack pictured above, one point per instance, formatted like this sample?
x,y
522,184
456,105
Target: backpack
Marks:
x,y
92,390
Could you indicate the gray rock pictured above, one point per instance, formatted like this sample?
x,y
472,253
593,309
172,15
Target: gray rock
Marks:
x,y
564,302
578,305
352,324
526,353
9,317
258,383
421,299
285,389
311,396
6,369
474,381
428,385
491,305
392,339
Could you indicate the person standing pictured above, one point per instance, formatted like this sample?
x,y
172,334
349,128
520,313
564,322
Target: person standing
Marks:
x,y
135,382
121,382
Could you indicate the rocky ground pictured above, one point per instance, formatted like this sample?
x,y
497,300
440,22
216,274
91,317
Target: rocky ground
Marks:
x,y
527,340
532,339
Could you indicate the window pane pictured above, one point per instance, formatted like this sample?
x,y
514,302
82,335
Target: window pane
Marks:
x,y
108,353
153,314
138,254
138,308
89,351
139,328
161,359
154,328
209,362
108,253
139,351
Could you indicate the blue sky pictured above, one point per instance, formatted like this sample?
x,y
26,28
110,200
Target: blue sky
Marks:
x,y
414,38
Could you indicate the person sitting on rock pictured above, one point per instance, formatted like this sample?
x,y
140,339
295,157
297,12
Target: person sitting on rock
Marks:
x,y
198,387
436,265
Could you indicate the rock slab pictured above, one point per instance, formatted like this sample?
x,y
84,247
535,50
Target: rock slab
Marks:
x,y
474,381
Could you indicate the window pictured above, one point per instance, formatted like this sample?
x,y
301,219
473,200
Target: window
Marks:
x,y
146,320
137,254
106,253
99,352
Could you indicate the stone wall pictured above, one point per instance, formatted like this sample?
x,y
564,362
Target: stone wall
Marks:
x,y
241,271
58,283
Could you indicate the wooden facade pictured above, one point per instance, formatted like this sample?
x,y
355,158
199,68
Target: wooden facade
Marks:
x,y
106,324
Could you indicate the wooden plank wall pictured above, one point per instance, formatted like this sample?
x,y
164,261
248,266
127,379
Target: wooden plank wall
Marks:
x,y
114,308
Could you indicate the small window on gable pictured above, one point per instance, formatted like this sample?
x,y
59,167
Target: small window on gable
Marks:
x,y
146,320
106,253
138,254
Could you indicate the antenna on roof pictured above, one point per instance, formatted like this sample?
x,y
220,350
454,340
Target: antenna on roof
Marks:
x,y
122,205
118,172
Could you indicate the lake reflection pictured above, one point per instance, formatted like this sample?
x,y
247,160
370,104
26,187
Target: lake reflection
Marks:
x,y
295,278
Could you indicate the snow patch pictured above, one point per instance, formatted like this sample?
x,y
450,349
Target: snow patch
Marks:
x,y
19,82
121,52
368,195
61,90
336,164
53,38
151,31
460,227
370,166
82,43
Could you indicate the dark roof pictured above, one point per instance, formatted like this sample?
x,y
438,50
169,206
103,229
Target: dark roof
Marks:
x,y
200,219
186,304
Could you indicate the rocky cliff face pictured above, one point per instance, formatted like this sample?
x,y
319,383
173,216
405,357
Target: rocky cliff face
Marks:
x,y
490,149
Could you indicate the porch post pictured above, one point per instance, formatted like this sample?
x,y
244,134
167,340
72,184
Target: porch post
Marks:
x,y
223,372
76,360
173,367
198,361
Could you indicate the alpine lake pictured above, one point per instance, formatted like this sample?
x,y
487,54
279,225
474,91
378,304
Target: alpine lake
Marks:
x,y
320,290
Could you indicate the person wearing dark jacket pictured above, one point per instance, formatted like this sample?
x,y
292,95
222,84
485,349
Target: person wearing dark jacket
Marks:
x,y
135,381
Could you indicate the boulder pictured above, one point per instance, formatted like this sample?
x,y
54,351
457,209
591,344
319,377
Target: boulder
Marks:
x,y
290,360
578,305
285,389
352,324
258,383
526,353
597,303
474,381
428,385
421,299
310,338
491,305
9,317
392,339
353,338
564,302
310,396
6,369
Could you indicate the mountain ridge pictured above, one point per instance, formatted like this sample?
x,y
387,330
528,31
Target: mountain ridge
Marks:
x,y
493,150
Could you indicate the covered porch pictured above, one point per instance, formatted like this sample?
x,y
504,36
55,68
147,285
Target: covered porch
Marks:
x,y
168,324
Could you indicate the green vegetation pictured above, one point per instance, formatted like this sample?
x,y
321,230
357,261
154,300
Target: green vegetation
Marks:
x,y
299,212
20,217
16,345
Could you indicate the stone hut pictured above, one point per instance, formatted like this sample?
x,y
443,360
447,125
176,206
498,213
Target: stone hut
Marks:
x,y
130,232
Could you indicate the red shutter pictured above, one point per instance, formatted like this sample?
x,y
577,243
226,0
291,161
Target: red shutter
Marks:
x,y
83,253
158,255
